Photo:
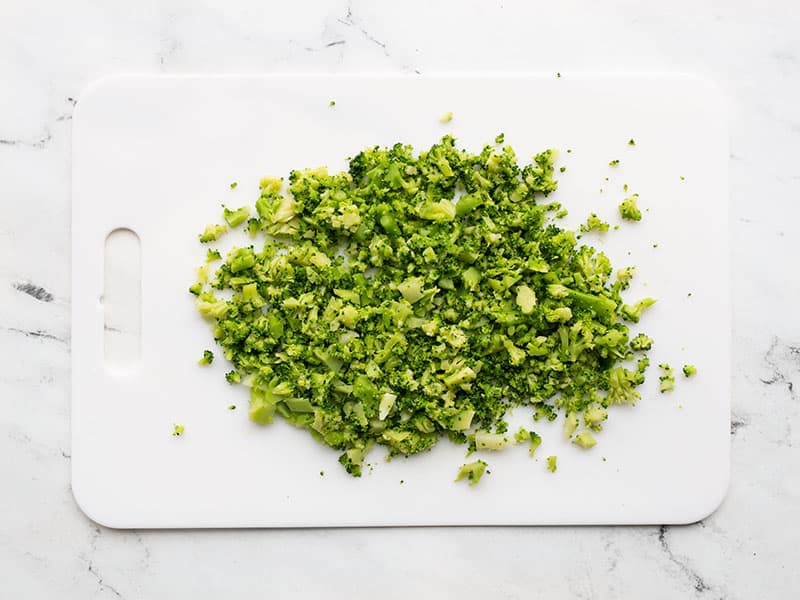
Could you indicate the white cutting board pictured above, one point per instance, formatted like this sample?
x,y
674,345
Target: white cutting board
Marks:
x,y
157,155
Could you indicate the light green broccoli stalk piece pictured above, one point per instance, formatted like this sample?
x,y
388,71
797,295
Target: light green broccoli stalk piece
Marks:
x,y
584,440
641,342
667,379
634,312
491,441
208,358
212,233
628,209
235,217
472,472
446,117
594,223
689,370
552,463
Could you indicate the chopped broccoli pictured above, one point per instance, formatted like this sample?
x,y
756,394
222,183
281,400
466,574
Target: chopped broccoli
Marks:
x,y
552,463
212,233
594,223
177,430
234,185
614,163
236,217
446,117
634,312
332,103
667,379
418,296
628,209
500,138
641,342
631,142
689,370
208,358
472,472
584,440
212,255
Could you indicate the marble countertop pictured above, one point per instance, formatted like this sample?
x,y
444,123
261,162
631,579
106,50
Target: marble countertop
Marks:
x,y
50,50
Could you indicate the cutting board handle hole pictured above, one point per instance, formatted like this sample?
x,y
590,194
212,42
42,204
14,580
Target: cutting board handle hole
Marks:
x,y
121,301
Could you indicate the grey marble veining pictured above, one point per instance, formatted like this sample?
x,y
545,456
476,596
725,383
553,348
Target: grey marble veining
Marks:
x,y
49,51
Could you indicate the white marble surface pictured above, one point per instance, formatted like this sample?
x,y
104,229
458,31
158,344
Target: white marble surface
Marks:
x,y
50,50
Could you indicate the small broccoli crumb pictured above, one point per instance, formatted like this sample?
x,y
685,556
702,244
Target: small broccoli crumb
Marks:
x,y
631,142
208,358
235,217
614,163
322,473
628,209
641,342
655,245
584,440
500,138
177,430
472,472
552,463
402,481
232,407
689,370
563,169
212,255
594,223
233,377
212,233
561,213
667,379
558,75
604,458
332,103
625,188
683,178
569,150
234,185
446,117
634,312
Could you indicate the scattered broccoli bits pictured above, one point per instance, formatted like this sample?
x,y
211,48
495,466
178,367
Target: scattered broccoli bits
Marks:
x,y
208,358
446,117
472,472
552,463
689,370
177,430
628,209
418,296
613,163
666,379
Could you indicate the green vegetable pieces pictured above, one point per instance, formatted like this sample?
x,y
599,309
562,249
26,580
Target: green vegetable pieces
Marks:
x,y
418,296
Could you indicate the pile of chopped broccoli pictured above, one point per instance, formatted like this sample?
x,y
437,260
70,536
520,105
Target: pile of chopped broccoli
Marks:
x,y
417,296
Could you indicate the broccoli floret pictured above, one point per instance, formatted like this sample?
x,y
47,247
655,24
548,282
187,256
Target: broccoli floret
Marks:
x,y
552,463
212,233
667,379
212,255
634,312
629,210
594,223
500,138
689,370
236,217
208,358
641,342
472,472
